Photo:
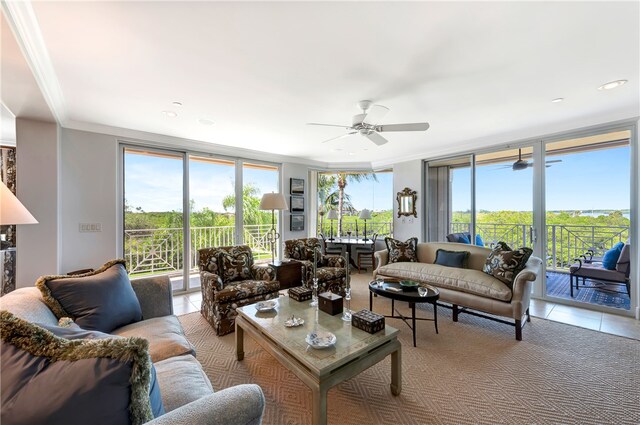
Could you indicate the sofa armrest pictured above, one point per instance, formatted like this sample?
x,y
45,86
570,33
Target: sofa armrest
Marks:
x,y
241,405
154,295
210,280
382,258
334,261
263,272
523,281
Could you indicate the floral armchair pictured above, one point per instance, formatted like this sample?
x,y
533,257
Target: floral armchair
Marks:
x,y
331,270
229,279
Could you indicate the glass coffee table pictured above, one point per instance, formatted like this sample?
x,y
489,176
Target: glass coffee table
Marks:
x,y
408,294
320,369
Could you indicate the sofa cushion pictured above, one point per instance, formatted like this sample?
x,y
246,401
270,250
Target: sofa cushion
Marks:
x,y
464,280
47,379
400,252
458,259
165,335
182,381
504,264
245,289
329,273
102,300
234,267
27,304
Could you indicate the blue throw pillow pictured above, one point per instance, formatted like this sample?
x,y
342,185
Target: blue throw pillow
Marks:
x,y
464,239
611,256
458,259
479,240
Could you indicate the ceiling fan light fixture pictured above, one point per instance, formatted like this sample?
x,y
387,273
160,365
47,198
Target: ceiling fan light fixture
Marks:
x,y
612,84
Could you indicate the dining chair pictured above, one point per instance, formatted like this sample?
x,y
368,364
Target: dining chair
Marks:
x,y
366,254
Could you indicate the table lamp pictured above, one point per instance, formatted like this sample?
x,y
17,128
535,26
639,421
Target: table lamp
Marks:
x,y
365,215
273,201
11,209
332,215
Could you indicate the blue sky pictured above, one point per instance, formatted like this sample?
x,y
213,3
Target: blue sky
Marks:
x,y
582,181
372,195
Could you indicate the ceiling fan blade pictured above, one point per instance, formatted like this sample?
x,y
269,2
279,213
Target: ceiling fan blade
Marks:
x,y
553,161
375,114
329,125
376,138
417,126
339,137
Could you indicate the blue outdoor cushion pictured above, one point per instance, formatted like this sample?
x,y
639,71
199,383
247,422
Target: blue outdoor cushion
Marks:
x,y
479,240
464,239
611,256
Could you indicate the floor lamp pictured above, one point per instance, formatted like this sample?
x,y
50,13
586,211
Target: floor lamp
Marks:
x,y
273,201
365,215
332,215
11,209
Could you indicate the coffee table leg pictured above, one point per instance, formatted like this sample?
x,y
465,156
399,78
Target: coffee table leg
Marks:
x,y
435,315
370,301
319,406
239,342
396,371
413,321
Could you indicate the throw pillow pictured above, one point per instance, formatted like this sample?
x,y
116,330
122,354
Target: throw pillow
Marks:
x,y
98,381
234,267
504,264
102,300
458,259
402,252
463,238
479,241
610,258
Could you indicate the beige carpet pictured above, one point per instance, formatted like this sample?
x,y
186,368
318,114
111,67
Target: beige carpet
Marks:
x,y
473,372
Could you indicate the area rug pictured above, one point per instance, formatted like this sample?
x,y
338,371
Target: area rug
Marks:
x,y
472,372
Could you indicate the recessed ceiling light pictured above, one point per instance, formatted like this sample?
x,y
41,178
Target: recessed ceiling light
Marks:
x,y
612,84
350,153
176,103
338,149
205,121
557,100
170,114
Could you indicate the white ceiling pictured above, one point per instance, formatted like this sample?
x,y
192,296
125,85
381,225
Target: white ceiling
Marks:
x,y
477,72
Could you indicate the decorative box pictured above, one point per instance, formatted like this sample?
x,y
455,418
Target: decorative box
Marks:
x,y
368,321
330,303
300,293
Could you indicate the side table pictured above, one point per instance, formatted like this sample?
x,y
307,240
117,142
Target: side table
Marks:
x,y
288,273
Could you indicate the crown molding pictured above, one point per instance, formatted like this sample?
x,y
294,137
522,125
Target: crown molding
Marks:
x,y
25,27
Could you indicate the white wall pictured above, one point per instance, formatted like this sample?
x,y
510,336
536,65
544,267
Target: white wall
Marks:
x,y
89,180
296,171
408,174
37,146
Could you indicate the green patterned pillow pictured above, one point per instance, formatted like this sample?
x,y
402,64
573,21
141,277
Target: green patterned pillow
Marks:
x,y
402,252
504,264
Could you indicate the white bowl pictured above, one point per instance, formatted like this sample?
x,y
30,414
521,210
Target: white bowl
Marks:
x,y
266,305
320,339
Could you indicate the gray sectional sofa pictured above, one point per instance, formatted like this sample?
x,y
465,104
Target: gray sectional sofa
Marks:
x,y
187,394
469,288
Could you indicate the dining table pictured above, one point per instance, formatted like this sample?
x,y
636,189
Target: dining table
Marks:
x,y
348,242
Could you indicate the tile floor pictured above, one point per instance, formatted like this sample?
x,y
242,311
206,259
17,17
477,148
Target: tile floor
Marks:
x,y
603,322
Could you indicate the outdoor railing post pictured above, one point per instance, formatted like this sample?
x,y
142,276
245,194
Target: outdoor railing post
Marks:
x,y
553,246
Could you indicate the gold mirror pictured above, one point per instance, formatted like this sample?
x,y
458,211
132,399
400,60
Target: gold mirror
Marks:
x,y
407,202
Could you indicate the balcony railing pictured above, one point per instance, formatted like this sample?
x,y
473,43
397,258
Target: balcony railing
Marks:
x,y
565,242
153,251
382,228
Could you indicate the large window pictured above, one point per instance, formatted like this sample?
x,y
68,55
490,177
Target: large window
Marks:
x,y
348,193
166,221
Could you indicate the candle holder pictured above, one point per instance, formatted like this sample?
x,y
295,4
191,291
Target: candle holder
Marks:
x,y
314,295
346,313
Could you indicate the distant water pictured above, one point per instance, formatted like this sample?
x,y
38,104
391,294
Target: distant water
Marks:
x,y
597,214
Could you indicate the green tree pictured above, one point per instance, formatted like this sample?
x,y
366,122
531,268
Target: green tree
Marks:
x,y
344,179
251,212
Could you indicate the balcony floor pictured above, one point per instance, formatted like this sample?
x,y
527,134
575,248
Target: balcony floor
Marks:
x,y
558,286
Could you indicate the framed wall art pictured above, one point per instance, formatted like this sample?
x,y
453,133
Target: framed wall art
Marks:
x,y
297,186
297,203
297,222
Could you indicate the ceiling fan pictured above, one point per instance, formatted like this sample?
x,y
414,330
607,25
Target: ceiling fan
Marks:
x,y
368,124
521,164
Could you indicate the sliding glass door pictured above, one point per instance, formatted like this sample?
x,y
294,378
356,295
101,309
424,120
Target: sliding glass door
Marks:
x,y
176,203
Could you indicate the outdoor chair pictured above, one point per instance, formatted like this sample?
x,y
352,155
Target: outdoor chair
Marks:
x,y
331,270
229,279
464,237
597,273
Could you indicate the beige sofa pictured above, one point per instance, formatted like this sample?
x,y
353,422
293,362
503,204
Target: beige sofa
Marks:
x,y
469,288
186,391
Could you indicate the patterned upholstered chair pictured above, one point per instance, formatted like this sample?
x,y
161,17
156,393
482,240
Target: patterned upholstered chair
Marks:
x,y
331,270
229,279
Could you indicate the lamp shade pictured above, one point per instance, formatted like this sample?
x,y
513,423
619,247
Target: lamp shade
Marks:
x,y
365,214
332,215
273,201
11,210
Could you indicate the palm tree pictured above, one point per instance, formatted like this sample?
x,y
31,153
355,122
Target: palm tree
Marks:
x,y
345,178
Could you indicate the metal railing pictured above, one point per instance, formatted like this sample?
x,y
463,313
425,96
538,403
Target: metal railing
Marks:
x,y
154,251
382,228
565,242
